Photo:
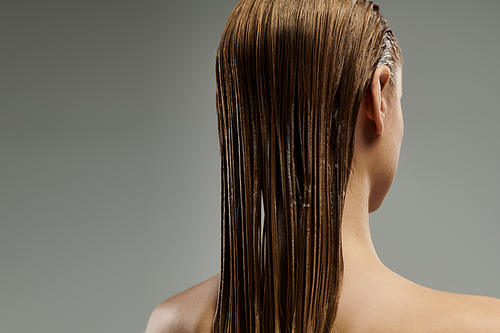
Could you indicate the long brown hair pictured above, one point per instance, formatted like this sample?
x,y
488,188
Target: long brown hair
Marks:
x,y
290,78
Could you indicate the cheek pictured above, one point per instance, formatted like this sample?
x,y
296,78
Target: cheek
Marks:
x,y
402,123
400,128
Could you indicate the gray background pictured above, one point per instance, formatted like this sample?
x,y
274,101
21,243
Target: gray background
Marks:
x,y
109,172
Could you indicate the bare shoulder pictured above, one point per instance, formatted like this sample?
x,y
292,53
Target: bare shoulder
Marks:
x,y
450,312
467,313
190,311
389,303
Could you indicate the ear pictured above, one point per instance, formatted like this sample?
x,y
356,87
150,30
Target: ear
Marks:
x,y
377,108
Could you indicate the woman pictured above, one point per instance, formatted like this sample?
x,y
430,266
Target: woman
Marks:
x,y
310,128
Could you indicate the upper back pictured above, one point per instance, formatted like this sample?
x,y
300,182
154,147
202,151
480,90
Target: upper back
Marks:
x,y
394,306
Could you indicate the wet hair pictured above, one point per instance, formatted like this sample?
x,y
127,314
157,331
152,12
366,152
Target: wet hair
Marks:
x,y
291,75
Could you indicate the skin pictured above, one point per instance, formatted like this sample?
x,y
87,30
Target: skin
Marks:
x,y
373,298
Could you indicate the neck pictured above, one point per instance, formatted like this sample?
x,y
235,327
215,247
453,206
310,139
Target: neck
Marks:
x,y
357,244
